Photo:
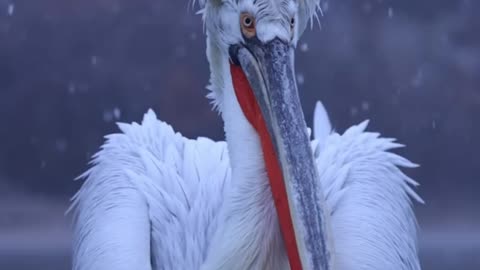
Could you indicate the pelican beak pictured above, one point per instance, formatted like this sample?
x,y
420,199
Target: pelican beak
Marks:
x,y
266,70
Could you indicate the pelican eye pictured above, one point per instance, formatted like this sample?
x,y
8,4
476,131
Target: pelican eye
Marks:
x,y
247,23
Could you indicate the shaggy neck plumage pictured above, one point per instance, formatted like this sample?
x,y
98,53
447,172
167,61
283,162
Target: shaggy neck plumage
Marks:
x,y
248,217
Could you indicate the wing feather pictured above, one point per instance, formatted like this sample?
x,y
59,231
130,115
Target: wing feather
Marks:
x,y
111,228
150,200
369,199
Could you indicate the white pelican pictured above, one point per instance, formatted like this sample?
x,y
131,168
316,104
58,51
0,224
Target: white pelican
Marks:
x,y
268,197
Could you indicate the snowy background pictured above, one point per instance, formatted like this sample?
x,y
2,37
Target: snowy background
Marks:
x,y
70,69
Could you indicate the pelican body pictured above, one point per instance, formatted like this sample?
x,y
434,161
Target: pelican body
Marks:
x,y
268,197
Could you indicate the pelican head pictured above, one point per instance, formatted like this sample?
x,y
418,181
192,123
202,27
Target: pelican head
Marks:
x,y
251,46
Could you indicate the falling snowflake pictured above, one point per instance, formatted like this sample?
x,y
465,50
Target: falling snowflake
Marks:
x,y
193,36
300,78
94,60
71,88
107,116
365,106
353,111
304,47
11,9
117,113
325,5
417,80
390,12
112,115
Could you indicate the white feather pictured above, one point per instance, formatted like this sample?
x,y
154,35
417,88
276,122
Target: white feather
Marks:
x,y
156,200
372,221
321,124
151,200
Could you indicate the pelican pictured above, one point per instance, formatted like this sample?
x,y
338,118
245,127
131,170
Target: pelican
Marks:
x,y
268,197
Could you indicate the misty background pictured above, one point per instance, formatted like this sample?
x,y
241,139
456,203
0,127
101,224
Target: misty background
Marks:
x,y
70,69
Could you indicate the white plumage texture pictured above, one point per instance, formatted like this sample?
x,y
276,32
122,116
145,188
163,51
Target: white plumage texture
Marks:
x,y
155,200
373,223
